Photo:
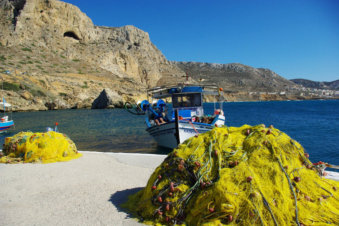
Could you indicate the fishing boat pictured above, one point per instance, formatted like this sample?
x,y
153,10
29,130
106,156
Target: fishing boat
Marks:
x,y
5,121
187,118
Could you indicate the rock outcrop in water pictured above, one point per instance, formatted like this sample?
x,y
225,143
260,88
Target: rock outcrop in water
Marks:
x,y
107,99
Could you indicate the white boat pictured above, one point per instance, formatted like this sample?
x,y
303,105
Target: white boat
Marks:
x,y
5,122
187,118
332,175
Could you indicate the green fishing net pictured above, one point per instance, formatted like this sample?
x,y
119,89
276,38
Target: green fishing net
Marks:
x,y
237,176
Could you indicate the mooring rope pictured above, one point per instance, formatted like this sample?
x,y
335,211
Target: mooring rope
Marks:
x,y
291,187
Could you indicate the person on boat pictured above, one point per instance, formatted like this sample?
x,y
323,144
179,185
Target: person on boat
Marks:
x,y
157,115
159,121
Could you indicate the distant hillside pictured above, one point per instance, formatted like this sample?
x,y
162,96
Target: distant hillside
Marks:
x,y
317,85
236,77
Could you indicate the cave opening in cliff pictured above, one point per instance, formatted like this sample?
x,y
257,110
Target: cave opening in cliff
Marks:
x,y
17,7
71,34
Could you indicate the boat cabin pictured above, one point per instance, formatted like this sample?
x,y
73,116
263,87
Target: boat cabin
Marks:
x,y
187,100
188,103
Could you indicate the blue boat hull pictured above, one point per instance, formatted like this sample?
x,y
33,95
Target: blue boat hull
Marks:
x,y
6,125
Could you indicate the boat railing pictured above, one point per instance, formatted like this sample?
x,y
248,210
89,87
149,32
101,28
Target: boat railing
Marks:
x,y
167,91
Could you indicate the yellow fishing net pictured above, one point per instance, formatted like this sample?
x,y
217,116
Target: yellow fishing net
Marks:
x,y
238,176
38,147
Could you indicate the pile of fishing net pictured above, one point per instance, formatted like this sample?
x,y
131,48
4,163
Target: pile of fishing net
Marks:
x,y
38,148
238,176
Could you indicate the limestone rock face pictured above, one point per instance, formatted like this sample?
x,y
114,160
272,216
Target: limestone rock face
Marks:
x,y
47,21
107,99
61,27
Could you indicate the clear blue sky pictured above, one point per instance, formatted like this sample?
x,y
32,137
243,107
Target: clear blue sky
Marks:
x,y
294,38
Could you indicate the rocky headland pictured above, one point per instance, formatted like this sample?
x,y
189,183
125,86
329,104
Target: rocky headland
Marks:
x,y
334,85
52,56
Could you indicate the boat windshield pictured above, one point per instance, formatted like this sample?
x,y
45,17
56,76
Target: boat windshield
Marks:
x,y
189,100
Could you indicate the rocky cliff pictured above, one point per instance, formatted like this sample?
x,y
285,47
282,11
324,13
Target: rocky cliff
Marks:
x,y
52,56
53,47
58,27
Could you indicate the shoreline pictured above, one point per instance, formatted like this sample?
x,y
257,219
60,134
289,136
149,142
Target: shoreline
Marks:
x,y
240,101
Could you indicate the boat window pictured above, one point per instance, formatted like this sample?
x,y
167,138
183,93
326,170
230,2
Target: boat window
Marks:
x,y
186,100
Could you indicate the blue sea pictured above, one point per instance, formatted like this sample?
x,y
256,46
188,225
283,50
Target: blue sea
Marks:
x,y
314,124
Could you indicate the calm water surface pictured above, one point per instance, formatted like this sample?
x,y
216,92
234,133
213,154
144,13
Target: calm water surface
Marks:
x,y
315,124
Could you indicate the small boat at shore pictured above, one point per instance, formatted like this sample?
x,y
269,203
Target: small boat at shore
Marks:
x,y
187,117
5,121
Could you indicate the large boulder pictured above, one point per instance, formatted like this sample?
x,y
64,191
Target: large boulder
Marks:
x,y
107,99
26,95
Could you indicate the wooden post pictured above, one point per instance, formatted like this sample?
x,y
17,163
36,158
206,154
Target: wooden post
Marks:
x,y
176,116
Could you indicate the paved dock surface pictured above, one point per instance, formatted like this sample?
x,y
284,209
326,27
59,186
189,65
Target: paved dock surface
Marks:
x,y
84,191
